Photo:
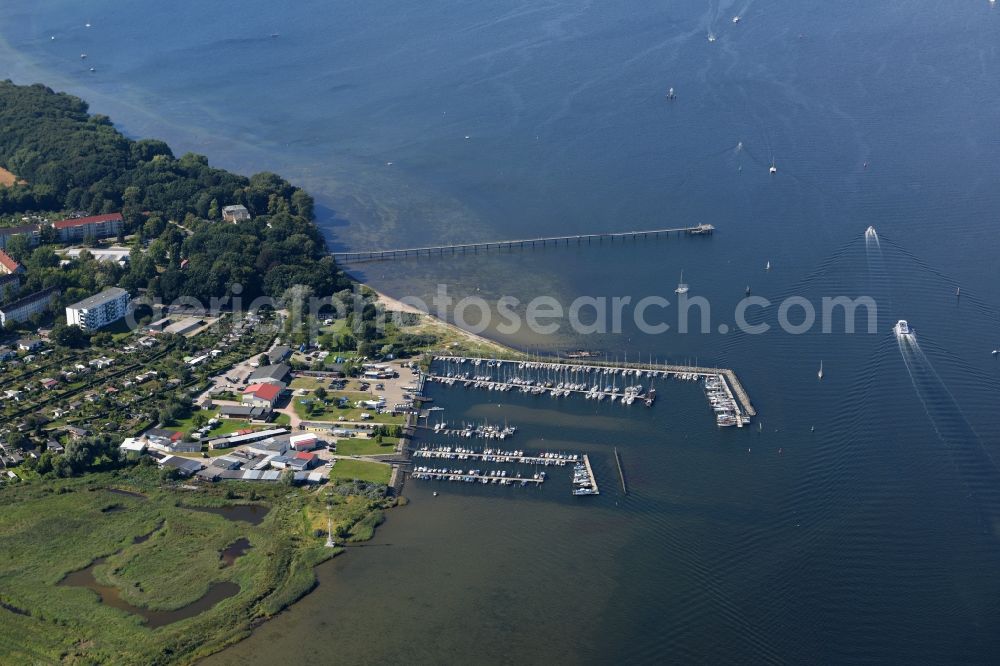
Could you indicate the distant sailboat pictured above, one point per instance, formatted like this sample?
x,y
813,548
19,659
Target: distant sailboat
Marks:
x,y
682,288
768,266
958,292
820,373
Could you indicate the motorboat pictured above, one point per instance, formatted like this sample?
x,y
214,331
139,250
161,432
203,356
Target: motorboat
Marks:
x,y
902,328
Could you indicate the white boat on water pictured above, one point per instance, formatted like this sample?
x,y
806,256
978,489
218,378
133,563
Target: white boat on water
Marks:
x,y
902,329
820,373
682,287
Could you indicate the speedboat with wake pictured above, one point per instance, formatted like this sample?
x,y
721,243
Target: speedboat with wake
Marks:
x,y
902,329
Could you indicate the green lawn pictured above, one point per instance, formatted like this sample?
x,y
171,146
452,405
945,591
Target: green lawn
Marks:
x,y
361,446
226,427
332,412
361,470
309,383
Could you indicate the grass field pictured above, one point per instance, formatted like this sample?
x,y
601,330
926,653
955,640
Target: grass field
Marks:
x,y
332,412
226,427
309,383
51,527
361,470
360,446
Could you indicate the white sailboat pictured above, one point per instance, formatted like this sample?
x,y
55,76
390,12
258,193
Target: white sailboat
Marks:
x,y
820,373
682,288
767,266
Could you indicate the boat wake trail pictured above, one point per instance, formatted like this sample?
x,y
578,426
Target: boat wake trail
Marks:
x,y
965,448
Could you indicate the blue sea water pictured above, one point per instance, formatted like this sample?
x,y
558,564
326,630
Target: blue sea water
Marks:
x,y
874,537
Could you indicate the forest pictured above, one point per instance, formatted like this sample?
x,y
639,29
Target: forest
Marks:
x,y
67,160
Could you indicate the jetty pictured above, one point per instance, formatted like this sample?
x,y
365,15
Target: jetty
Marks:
x,y
474,476
584,481
578,239
621,472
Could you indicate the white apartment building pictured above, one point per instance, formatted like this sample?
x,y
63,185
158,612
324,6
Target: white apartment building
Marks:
x,y
99,310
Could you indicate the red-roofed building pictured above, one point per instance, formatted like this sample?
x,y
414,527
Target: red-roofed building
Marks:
x,y
310,459
8,266
261,395
96,226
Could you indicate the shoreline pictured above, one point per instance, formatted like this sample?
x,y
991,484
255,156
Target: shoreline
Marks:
x,y
433,323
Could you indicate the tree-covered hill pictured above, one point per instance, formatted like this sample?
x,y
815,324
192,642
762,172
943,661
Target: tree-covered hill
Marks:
x,y
73,161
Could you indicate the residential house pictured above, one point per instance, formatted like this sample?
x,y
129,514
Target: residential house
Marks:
x,y
235,213
8,265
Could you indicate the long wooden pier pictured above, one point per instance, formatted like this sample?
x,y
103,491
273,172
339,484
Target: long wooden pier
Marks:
x,y
579,239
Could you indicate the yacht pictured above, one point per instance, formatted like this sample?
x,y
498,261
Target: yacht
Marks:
x,y
902,328
682,288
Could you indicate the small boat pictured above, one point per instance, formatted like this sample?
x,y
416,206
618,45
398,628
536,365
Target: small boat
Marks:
x,y
86,25
902,328
83,56
435,493
996,352
958,292
767,266
711,37
773,170
671,94
736,19
820,373
748,290
682,288
93,69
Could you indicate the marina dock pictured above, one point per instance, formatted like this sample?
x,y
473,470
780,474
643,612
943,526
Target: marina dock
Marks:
x,y
583,480
579,239
564,377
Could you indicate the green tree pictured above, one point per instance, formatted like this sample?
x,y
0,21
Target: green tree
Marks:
x,y
71,336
